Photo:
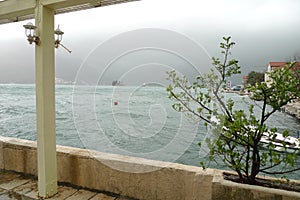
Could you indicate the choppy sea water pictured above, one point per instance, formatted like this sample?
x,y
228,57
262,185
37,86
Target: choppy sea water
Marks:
x,y
142,124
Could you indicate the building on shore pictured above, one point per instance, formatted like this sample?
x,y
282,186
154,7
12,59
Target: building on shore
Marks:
x,y
276,65
292,108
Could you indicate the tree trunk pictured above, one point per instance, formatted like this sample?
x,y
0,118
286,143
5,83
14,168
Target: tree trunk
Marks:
x,y
255,163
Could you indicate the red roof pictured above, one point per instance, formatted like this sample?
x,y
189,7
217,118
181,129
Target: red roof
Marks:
x,y
277,64
284,64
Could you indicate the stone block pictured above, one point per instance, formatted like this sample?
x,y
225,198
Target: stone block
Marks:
x,y
203,184
20,159
224,189
142,185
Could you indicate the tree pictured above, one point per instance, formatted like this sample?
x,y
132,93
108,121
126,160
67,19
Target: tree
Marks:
x,y
255,77
238,135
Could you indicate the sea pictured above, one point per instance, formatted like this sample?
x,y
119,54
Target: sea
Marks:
x,y
129,120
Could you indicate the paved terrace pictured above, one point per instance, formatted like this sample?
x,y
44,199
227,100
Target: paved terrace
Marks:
x,y
16,186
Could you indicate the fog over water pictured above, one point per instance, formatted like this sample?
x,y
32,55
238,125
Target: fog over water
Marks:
x,y
264,30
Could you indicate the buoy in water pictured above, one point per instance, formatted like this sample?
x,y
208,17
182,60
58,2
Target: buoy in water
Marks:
x,y
115,103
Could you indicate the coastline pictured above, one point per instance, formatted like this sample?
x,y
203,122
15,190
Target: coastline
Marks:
x,y
293,109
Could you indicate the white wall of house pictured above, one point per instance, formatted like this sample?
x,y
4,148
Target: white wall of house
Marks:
x,y
267,77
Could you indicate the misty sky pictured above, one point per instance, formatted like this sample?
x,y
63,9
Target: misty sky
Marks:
x,y
137,42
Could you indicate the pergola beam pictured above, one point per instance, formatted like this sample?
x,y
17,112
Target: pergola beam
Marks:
x,y
58,4
18,10
12,9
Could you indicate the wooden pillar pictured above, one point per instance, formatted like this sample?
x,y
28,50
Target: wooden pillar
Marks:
x,y
45,102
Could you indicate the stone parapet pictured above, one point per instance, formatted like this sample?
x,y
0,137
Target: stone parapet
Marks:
x,y
224,189
137,178
128,176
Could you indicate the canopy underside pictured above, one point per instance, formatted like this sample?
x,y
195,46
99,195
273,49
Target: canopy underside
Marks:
x,y
19,10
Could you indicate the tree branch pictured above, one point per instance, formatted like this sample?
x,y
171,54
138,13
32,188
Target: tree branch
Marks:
x,y
283,172
190,110
270,167
194,99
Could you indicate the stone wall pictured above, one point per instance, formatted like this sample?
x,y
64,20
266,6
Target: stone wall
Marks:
x,y
133,177
224,189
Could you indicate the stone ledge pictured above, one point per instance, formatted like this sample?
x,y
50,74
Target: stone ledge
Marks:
x,y
224,189
138,178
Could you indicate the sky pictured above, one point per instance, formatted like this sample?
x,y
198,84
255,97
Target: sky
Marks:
x,y
137,42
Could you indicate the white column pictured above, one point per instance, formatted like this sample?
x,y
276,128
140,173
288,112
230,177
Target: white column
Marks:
x,y
45,102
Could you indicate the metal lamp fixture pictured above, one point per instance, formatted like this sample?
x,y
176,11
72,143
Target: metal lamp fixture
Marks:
x,y
30,33
58,36
33,38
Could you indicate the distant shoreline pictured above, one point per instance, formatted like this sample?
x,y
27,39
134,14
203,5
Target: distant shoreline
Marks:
x,y
292,109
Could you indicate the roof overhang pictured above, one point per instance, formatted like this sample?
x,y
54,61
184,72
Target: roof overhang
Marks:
x,y
18,10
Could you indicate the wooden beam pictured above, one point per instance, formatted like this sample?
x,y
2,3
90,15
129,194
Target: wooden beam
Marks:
x,y
18,10
10,10
57,4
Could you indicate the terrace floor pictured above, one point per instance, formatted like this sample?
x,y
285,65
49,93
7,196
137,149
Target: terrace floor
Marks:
x,y
14,186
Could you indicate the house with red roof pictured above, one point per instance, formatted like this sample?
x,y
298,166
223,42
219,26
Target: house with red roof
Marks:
x,y
276,65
